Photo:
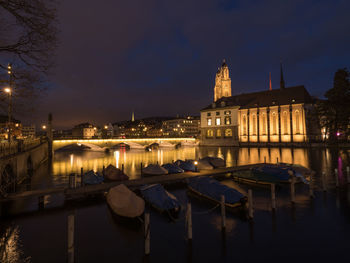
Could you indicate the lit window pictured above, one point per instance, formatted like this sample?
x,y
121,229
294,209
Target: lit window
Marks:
x,y
254,124
218,133
209,122
210,133
244,125
228,133
218,121
227,120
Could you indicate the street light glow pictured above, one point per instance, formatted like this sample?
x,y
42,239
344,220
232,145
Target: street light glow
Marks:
x,y
7,90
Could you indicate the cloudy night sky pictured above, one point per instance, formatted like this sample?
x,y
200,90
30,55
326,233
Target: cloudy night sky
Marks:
x,y
159,58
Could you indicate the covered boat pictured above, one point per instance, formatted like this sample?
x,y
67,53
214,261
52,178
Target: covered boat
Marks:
x,y
268,174
187,165
91,177
114,174
213,190
161,199
172,168
154,169
216,162
204,164
124,202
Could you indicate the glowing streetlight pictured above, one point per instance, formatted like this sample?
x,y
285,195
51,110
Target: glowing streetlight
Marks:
x,y
8,90
196,164
44,127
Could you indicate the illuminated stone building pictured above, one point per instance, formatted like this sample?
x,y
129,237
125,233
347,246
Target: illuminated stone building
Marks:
x,y
181,127
279,116
84,131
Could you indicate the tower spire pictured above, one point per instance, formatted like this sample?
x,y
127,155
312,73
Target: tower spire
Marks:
x,y
133,116
282,86
270,86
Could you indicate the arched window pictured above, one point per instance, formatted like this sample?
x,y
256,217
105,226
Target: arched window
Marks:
x,y
228,133
285,122
244,125
254,124
218,133
297,122
263,124
210,133
274,121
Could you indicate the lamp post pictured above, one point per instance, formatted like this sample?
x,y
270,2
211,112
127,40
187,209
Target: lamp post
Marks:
x,y
9,92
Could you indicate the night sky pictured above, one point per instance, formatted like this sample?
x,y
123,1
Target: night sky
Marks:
x,y
159,58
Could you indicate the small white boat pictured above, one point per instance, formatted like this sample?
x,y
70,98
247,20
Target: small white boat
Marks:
x,y
125,202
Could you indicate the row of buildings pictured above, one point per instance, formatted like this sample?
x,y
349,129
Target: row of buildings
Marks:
x,y
18,130
187,126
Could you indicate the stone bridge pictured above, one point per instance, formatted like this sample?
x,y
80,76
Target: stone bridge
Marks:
x,y
19,160
137,143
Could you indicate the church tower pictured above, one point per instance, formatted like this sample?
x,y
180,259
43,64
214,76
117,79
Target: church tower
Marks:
x,y
222,82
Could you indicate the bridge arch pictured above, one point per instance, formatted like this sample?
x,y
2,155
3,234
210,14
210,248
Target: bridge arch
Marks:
x,y
8,180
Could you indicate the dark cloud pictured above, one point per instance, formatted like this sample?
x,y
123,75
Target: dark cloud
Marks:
x,y
160,57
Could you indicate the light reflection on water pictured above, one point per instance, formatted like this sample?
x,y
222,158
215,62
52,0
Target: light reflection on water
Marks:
x,y
66,163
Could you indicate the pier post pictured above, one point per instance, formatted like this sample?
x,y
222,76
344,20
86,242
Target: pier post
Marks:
x,y
277,160
264,159
336,178
273,197
324,186
292,187
147,234
71,219
223,213
250,204
141,169
348,174
41,202
81,176
189,222
103,170
122,168
311,186
72,181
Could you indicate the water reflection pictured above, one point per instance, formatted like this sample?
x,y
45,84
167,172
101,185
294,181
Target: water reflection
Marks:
x,y
10,248
66,163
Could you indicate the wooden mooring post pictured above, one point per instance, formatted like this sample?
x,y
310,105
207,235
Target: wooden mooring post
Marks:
x,y
324,184
122,168
72,181
223,213
336,178
81,176
250,204
264,159
292,187
71,219
348,174
189,222
147,234
311,186
273,197
141,168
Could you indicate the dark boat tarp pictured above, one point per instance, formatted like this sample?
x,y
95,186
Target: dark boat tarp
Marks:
x,y
271,173
159,197
216,162
154,169
172,168
92,178
187,165
214,189
204,164
115,174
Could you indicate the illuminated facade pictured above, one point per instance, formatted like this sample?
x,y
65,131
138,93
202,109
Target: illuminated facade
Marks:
x,y
280,116
222,86
84,130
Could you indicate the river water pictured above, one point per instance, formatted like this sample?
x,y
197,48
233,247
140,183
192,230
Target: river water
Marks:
x,y
311,230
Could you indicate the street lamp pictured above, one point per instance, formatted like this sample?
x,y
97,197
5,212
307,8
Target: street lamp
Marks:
x,y
8,90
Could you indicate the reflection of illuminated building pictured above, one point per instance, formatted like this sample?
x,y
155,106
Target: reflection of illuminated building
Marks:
x,y
281,115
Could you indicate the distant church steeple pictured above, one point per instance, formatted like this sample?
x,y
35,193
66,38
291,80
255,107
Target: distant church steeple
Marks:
x,y
282,86
222,86
133,117
270,85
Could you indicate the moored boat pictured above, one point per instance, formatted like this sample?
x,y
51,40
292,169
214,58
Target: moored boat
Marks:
x,y
91,178
154,169
216,162
124,202
271,174
172,168
114,174
161,199
187,165
212,190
